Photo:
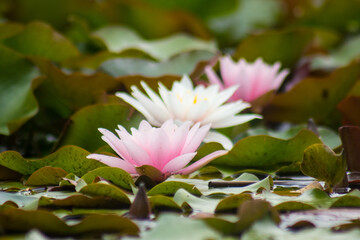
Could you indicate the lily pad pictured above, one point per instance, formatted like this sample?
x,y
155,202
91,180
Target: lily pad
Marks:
x,y
40,39
71,158
275,46
161,203
83,129
119,39
323,164
83,202
266,153
117,176
18,103
46,176
108,190
326,93
179,65
170,188
16,220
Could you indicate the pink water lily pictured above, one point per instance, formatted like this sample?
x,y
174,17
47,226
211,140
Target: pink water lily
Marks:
x,y
253,79
168,148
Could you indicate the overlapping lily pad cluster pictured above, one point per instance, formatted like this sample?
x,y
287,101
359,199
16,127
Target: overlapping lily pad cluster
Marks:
x,y
139,119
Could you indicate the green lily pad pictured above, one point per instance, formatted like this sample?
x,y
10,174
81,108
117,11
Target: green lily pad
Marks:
x,y
179,65
82,201
340,57
323,164
71,159
326,93
349,200
161,203
10,29
252,211
266,153
117,176
22,201
119,39
327,135
275,46
40,39
170,187
64,93
16,220
208,205
17,100
83,131
108,190
231,204
46,176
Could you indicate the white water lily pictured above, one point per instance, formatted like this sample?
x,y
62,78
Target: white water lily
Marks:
x,y
204,105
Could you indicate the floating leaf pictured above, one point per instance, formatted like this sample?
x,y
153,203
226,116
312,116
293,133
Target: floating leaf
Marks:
x,y
82,201
231,204
170,188
64,93
320,105
17,100
108,190
153,173
275,46
117,176
46,176
83,129
162,203
254,210
39,39
340,57
246,17
323,164
16,220
120,39
197,204
181,64
71,159
266,153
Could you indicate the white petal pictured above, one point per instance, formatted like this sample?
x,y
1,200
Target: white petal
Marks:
x,y
138,106
235,120
219,138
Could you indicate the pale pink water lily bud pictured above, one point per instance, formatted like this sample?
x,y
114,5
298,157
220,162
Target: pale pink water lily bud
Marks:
x,y
168,148
252,79
183,103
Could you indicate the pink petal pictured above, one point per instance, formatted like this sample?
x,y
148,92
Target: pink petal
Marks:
x,y
178,162
202,162
195,137
213,78
138,153
116,144
113,162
